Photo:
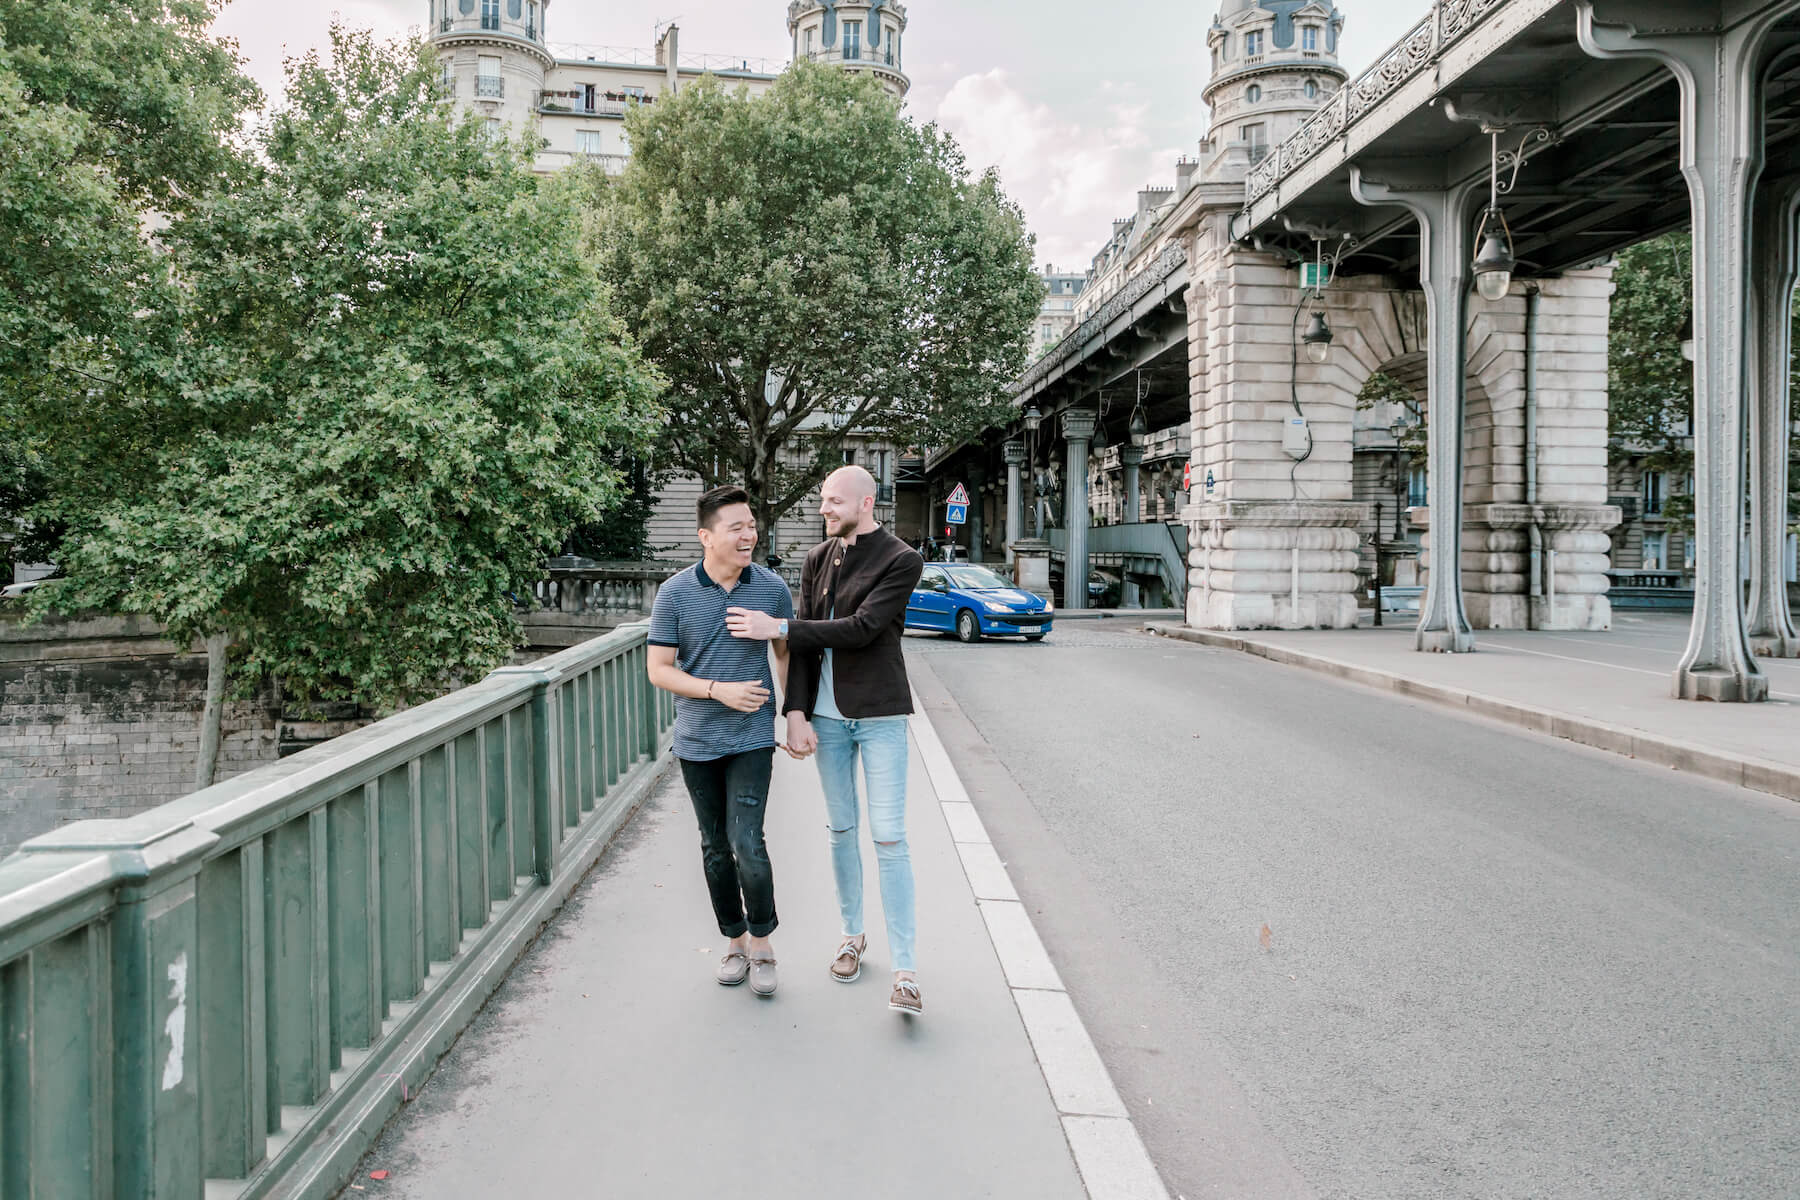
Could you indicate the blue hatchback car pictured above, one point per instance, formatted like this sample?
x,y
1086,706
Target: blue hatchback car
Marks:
x,y
972,602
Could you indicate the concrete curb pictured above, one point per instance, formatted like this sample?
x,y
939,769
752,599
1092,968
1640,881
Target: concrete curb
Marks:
x,y
1758,775
1108,1152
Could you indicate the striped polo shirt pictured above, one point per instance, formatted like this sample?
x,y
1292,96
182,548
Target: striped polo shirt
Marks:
x,y
689,617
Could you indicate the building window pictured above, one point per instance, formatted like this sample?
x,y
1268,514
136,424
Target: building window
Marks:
x,y
1656,551
1049,331
849,458
496,129
515,8
1253,43
1687,551
1653,493
1793,558
1418,486
1309,37
809,42
1256,138
488,83
587,141
490,14
1253,93
853,39
531,27
1312,89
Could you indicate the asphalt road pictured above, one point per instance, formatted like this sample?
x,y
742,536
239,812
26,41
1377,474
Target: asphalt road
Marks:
x,y
1335,943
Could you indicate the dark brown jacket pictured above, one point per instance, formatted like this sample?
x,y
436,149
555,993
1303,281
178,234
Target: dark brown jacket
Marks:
x,y
867,585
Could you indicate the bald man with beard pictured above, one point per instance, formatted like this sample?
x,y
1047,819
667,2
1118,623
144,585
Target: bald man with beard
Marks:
x,y
849,699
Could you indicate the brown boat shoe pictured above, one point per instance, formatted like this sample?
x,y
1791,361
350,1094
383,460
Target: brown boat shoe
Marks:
x,y
906,999
847,966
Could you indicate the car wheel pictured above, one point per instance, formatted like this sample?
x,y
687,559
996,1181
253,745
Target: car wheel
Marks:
x,y
968,629
1035,637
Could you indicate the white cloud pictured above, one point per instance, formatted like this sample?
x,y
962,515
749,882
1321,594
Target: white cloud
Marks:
x,y
268,33
1072,175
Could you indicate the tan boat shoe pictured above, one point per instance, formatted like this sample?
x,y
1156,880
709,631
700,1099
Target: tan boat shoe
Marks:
x,y
762,976
906,999
847,966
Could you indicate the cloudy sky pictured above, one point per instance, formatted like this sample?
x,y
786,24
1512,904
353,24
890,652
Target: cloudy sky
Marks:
x,y
1077,103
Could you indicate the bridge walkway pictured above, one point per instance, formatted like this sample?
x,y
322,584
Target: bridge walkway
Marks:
x,y
611,1064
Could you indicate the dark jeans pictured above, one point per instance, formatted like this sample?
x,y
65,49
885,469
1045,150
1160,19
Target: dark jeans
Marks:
x,y
731,796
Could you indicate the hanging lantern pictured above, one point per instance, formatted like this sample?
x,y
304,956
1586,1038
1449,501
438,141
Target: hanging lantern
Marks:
x,y
1495,264
1318,337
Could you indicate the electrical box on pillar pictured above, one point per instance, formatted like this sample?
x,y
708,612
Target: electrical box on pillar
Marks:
x,y
1296,439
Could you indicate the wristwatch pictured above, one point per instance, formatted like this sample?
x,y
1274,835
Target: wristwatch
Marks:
x,y
783,630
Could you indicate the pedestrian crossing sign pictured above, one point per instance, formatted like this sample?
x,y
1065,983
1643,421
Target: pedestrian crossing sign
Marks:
x,y
958,514
960,496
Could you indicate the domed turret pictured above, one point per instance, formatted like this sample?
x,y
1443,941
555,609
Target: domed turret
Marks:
x,y
856,35
1274,62
494,54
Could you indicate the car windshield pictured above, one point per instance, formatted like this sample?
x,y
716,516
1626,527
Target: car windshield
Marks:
x,y
978,579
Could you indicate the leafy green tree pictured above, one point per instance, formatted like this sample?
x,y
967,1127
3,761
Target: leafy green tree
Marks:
x,y
807,265
1382,388
391,390
111,112
1650,385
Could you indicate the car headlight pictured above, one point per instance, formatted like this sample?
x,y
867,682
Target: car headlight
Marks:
x,y
994,606
1049,607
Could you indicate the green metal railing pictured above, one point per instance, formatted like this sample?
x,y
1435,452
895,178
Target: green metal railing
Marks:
x,y
229,995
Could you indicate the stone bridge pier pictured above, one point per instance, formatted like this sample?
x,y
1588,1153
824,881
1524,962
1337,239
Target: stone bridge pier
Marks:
x,y
1275,523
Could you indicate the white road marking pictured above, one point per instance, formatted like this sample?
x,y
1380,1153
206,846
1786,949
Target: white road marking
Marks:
x,y
1112,1158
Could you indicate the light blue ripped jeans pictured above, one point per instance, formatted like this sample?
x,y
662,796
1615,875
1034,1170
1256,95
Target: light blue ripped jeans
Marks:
x,y
881,744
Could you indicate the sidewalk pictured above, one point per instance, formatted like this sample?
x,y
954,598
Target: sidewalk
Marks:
x,y
1608,690
610,1063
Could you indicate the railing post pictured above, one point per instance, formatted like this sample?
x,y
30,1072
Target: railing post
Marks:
x,y
546,783
154,1104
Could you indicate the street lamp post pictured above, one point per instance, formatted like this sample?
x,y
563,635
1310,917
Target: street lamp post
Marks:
x,y
1378,564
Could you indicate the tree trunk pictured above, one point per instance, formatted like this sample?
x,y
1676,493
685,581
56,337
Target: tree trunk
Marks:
x,y
211,719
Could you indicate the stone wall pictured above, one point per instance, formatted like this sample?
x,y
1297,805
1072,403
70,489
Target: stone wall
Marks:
x,y
110,737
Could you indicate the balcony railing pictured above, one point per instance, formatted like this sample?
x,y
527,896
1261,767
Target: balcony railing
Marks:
x,y
488,23
490,87
563,102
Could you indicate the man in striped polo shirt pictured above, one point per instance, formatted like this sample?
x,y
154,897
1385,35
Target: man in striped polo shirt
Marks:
x,y
725,723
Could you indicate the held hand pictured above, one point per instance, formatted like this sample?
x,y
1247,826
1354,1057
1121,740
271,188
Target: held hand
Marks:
x,y
802,741
751,625
741,697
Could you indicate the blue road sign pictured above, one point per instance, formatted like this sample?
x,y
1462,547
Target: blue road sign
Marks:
x,y
958,514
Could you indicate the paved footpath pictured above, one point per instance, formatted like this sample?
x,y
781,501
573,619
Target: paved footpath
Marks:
x,y
1609,690
610,1064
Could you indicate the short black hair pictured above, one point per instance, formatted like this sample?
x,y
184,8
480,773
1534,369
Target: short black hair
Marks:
x,y
720,497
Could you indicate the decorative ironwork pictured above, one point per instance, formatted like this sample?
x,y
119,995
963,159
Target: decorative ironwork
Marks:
x,y
1160,269
1512,160
1448,22
1406,59
1460,16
